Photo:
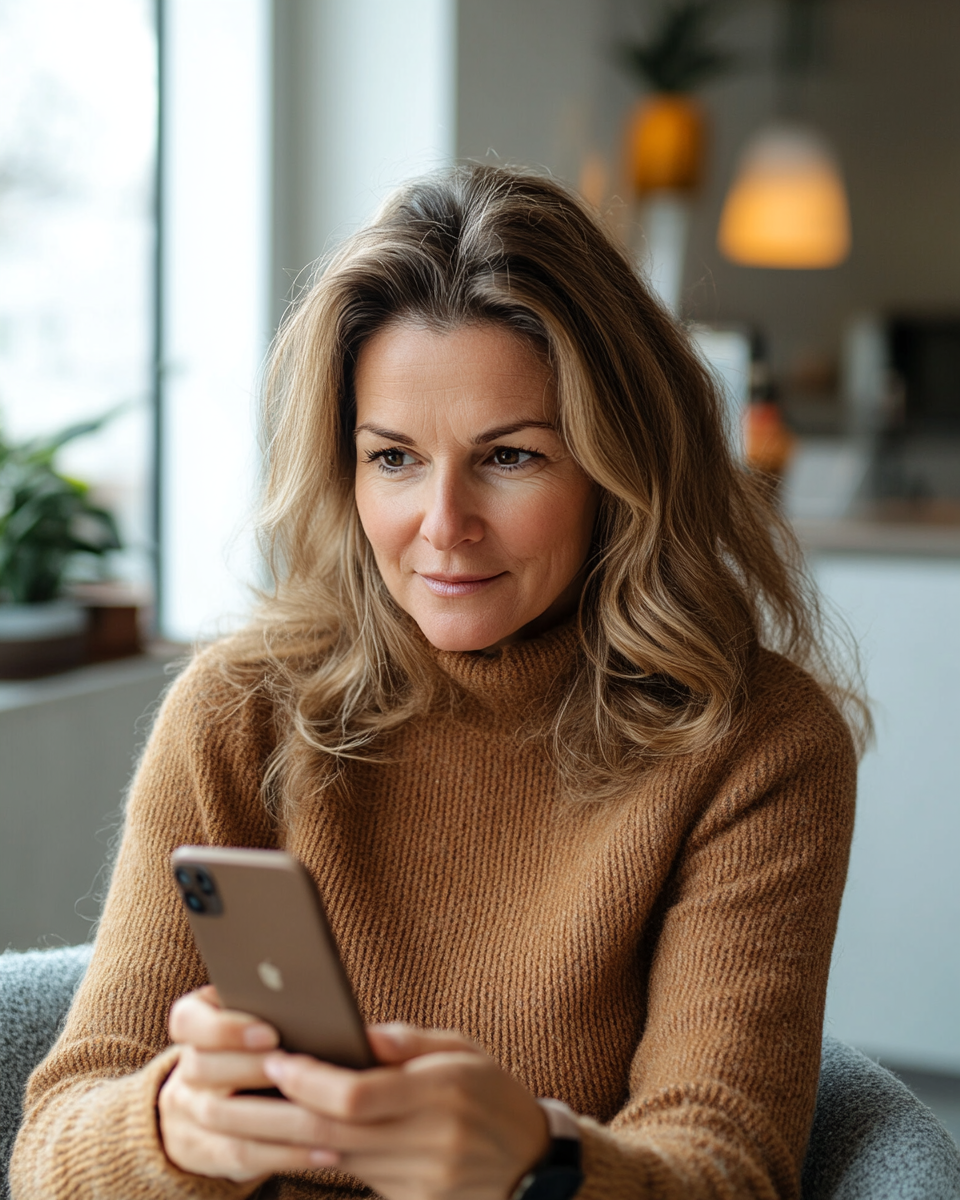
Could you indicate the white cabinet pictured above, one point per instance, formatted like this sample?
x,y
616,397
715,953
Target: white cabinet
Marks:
x,y
895,982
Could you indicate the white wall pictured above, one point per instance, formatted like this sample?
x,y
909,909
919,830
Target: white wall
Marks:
x,y
532,83
364,99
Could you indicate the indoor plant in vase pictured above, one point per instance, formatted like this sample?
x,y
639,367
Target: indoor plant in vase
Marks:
x,y
665,141
46,521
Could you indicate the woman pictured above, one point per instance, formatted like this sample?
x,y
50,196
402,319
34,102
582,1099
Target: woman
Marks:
x,y
540,703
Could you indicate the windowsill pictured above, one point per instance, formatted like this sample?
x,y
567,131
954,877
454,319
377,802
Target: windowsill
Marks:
x,y
154,663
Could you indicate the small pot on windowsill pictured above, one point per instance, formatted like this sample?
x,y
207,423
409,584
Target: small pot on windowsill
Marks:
x,y
115,618
41,639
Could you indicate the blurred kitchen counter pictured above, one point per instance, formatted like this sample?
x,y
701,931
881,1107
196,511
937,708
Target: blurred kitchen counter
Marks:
x,y
924,528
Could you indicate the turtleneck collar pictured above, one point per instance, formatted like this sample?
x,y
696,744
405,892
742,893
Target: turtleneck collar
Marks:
x,y
512,683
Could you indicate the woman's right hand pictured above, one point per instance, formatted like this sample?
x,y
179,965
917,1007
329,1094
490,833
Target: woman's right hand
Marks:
x,y
208,1130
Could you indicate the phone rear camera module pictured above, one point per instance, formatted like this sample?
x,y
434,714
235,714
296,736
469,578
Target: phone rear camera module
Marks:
x,y
198,889
205,883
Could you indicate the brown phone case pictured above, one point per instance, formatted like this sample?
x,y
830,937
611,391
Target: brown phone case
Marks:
x,y
262,931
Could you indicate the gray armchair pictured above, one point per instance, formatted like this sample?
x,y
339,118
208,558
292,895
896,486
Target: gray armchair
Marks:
x,y
35,992
871,1138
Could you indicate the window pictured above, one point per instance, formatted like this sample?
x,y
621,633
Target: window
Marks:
x,y
77,152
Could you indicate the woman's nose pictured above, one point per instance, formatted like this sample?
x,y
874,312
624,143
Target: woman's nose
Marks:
x,y
450,515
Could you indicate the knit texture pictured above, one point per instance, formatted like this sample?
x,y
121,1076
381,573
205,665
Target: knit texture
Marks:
x,y
658,963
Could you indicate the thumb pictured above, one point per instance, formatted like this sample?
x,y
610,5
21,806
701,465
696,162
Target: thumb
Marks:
x,y
397,1043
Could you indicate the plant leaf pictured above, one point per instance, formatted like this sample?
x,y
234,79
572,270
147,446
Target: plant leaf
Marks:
x,y
46,518
680,53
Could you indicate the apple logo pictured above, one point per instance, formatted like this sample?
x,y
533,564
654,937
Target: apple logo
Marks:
x,y
270,976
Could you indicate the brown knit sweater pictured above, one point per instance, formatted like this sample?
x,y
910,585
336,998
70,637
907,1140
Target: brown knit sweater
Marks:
x,y
659,963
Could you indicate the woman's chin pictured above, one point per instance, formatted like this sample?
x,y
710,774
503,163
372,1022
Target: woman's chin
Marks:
x,y
464,635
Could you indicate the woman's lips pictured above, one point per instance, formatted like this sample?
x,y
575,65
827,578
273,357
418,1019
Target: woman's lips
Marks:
x,y
458,585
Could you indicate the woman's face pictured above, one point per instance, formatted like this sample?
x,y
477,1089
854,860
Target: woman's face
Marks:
x,y
479,518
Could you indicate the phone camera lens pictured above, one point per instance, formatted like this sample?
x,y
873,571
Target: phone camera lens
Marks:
x,y
183,877
194,902
205,883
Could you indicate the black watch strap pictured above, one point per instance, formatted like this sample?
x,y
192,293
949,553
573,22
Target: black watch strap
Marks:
x,y
557,1176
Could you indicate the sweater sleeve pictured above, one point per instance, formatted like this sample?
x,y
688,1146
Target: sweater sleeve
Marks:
x,y
90,1127
723,1083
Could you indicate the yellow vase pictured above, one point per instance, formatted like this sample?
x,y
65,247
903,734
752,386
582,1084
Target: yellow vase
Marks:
x,y
665,143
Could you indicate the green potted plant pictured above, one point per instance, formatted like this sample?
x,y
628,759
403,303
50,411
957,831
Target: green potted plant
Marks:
x,y
47,521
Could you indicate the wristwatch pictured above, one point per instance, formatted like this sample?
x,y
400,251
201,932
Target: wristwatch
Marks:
x,y
557,1176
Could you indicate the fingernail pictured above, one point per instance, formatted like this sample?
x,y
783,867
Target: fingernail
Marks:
x,y
274,1068
394,1032
324,1158
259,1037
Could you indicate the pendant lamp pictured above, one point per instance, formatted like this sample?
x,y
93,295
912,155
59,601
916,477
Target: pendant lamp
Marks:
x,y
787,206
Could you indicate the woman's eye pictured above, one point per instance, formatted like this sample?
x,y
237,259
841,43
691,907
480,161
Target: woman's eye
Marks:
x,y
512,456
392,459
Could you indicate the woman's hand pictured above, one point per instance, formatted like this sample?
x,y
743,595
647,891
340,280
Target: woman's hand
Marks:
x,y
207,1130
441,1120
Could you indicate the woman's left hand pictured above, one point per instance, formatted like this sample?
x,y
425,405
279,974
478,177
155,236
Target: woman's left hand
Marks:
x,y
439,1119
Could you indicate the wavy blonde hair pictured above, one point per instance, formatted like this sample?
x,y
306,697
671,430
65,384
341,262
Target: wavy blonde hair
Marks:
x,y
692,569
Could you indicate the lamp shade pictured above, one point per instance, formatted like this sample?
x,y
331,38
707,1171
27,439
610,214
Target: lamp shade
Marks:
x,y
787,206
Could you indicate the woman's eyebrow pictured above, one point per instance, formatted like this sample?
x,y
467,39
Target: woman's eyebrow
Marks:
x,y
489,435
389,435
493,435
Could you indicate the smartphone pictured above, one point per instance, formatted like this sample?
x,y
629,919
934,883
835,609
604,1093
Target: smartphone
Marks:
x,y
261,929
